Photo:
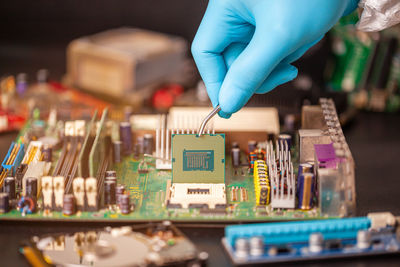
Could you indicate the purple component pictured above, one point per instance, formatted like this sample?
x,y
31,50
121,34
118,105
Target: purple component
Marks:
x,y
325,155
22,84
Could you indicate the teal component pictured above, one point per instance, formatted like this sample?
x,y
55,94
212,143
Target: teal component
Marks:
x,y
291,232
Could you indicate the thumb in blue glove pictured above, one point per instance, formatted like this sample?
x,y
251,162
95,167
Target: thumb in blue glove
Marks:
x,y
244,47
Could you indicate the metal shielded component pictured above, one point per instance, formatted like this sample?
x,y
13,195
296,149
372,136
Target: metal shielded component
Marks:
x,y
198,159
308,138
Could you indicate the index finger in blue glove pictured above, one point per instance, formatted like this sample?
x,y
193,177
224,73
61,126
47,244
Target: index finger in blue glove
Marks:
x,y
264,52
282,73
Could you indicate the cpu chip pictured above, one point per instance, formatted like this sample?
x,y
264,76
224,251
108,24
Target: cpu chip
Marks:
x,y
198,159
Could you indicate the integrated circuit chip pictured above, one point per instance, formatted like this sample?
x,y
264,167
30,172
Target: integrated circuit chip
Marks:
x,y
198,159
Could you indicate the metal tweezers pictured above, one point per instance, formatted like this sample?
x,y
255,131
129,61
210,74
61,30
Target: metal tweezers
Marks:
x,y
203,124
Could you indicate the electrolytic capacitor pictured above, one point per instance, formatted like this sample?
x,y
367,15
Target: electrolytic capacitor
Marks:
x,y
69,207
305,167
47,152
128,111
289,123
125,134
109,192
306,190
119,191
235,153
136,151
148,144
125,206
251,146
139,143
111,174
117,151
235,145
31,187
4,203
9,187
285,138
19,174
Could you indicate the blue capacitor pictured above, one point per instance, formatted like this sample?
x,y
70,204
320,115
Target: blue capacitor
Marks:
x,y
305,167
305,191
125,134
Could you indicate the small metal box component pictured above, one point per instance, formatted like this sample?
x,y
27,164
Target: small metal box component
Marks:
x,y
309,138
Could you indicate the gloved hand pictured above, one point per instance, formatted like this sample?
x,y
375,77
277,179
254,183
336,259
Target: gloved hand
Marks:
x,y
244,47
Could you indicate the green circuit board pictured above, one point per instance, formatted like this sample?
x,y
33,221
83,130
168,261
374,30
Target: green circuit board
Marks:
x,y
148,191
148,188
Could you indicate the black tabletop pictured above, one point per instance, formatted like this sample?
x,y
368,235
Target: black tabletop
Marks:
x,y
374,140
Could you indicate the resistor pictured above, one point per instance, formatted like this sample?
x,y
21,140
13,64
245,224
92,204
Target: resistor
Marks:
x,y
243,194
234,196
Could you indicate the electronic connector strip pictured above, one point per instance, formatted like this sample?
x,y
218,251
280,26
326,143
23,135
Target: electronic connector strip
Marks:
x,y
312,240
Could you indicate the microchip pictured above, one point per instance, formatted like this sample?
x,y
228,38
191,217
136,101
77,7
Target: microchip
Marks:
x,y
198,159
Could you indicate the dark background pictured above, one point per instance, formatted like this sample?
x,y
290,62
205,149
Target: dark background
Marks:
x,y
35,34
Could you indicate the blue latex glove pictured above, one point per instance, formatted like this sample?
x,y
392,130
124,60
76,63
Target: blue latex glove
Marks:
x,y
244,47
